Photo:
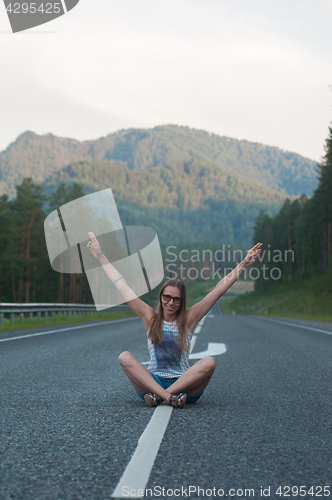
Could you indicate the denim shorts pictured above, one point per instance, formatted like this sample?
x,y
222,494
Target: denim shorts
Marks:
x,y
166,382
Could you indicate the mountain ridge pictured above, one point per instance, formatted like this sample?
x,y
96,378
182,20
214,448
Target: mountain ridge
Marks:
x,y
39,156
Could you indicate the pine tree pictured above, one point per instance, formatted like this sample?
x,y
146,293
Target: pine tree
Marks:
x,y
4,246
27,238
72,288
322,201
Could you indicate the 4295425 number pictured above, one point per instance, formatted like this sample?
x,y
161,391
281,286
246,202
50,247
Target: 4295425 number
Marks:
x,y
33,8
295,491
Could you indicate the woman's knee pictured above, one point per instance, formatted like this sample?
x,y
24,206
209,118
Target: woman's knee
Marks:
x,y
210,364
125,358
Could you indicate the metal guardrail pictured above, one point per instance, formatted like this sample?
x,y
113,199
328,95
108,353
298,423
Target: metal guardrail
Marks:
x,y
61,310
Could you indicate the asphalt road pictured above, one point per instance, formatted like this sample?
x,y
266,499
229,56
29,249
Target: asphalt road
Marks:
x,y
71,420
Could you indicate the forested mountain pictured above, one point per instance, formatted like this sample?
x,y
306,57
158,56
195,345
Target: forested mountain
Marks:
x,y
188,201
185,185
36,156
197,190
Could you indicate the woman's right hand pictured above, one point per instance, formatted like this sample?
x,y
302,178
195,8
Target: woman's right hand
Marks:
x,y
94,246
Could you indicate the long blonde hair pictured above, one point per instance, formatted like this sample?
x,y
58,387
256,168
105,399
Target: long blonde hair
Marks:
x,y
155,331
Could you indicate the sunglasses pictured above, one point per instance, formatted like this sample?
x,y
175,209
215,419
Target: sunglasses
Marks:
x,y
168,298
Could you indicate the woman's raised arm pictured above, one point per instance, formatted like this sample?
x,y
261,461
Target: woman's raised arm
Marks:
x,y
197,311
142,310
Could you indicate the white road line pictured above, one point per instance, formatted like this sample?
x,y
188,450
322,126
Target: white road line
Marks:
x,y
214,349
193,340
67,329
202,321
295,324
199,325
137,472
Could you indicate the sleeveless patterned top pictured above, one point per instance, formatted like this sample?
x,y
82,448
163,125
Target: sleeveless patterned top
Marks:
x,y
166,359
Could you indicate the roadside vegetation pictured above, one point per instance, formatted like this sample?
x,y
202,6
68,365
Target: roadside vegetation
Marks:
x,y
63,320
305,299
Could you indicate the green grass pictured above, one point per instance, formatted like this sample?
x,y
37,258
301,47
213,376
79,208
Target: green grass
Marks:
x,y
305,299
61,321
227,306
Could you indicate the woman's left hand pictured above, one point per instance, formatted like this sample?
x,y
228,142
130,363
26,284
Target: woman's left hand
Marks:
x,y
94,246
252,255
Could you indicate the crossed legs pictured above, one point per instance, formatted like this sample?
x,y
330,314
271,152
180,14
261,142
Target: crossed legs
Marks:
x,y
193,381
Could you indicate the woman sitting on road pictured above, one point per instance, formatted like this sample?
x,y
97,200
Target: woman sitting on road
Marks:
x,y
169,331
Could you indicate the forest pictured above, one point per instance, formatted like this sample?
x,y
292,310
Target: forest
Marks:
x,y
297,240
25,270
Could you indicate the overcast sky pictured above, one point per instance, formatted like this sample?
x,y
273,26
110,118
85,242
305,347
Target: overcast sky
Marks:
x,y
258,70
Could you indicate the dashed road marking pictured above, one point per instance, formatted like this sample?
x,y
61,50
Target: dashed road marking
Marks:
x,y
193,341
214,349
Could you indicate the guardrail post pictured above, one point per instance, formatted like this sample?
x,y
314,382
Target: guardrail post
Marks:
x,y
2,317
46,314
38,314
22,316
12,318
53,314
31,316
75,314
69,314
